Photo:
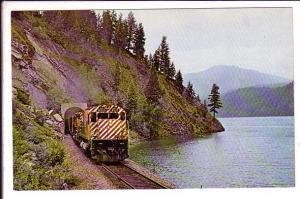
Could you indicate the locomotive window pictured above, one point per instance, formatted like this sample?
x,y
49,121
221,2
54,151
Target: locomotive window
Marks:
x,y
122,116
93,117
113,116
102,115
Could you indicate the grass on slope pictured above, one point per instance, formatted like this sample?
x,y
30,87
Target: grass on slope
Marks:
x,y
39,157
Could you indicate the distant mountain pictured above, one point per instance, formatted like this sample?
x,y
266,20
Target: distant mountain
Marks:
x,y
258,101
229,78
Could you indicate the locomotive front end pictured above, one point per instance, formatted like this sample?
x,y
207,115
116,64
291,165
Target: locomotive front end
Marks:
x,y
108,133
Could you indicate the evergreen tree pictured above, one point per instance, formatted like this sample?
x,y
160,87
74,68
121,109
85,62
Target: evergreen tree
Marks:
x,y
58,19
205,108
214,97
119,39
164,56
98,27
198,99
114,20
171,71
153,92
99,21
92,20
87,25
150,60
107,26
156,60
190,91
131,103
146,60
139,42
155,115
131,23
179,80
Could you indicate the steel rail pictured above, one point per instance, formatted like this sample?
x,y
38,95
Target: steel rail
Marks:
x,y
117,176
128,183
155,182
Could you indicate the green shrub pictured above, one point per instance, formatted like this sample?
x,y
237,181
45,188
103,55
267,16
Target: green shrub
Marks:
x,y
21,146
39,118
55,151
57,96
38,158
200,129
23,97
101,98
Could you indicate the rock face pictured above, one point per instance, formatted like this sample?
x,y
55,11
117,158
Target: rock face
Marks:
x,y
58,118
216,126
52,65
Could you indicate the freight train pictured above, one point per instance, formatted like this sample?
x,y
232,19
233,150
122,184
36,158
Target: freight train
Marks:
x,y
102,131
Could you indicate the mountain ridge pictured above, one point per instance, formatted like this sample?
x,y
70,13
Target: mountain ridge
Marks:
x,y
229,77
259,101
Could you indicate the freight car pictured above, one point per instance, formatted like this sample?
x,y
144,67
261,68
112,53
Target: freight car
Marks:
x,y
102,131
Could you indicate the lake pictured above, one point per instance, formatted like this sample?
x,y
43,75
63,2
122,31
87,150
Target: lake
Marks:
x,y
251,152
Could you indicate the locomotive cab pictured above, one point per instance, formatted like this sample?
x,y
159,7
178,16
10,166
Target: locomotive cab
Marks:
x,y
103,132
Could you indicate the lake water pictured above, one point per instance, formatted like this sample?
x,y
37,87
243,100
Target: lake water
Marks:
x,y
252,152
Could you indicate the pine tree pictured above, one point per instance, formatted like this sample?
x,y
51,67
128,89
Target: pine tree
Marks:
x,y
153,92
87,25
131,102
98,27
155,116
179,80
157,60
131,23
107,26
146,60
139,42
171,71
164,56
198,98
150,60
58,19
114,20
215,102
119,39
205,108
190,91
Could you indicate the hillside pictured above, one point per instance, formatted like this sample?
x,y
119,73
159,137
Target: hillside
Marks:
x,y
259,101
62,58
229,78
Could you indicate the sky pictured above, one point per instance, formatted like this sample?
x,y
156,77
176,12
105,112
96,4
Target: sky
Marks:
x,y
252,38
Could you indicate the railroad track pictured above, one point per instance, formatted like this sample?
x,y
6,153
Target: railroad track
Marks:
x,y
131,178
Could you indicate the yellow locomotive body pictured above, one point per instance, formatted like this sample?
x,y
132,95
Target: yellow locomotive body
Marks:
x,y
102,131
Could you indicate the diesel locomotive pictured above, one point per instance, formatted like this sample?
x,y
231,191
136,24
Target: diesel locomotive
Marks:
x,y
102,131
